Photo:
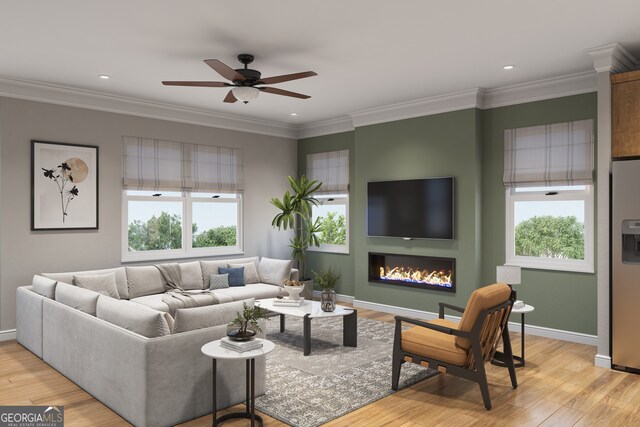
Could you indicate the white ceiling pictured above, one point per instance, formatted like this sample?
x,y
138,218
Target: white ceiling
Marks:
x,y
367,53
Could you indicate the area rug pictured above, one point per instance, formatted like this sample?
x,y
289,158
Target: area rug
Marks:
x,y
307,391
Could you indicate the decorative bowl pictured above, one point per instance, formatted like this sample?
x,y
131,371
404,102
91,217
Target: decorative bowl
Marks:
x,y
294,291
233,335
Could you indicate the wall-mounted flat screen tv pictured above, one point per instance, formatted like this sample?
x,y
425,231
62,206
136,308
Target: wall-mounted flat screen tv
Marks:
x,y
415,208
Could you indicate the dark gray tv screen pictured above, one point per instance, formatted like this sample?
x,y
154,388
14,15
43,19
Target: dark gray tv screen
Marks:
x,y
415,208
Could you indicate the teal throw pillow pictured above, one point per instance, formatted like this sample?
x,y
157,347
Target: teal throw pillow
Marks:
x,y
236,275
218,281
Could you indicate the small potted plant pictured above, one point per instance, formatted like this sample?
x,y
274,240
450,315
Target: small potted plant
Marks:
x,y
327,280
247,323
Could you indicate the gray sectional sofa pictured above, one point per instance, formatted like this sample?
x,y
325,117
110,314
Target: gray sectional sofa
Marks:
x,y
120,344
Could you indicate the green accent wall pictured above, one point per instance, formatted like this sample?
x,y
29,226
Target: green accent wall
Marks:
x,y
563,300
466,144
318,261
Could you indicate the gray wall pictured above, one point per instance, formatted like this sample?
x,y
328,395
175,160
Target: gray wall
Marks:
x,y
268,161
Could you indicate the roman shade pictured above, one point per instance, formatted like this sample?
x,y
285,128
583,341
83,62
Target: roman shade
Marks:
x,y
554,154
332,169
153,164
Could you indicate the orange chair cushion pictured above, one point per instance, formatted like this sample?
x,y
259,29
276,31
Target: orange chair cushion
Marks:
x,y
434,344
481,299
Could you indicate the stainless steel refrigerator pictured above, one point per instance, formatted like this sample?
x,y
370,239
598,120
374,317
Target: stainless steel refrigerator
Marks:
x,y
625,265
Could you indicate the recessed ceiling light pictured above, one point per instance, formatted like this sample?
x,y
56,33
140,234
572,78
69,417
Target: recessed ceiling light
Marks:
x,y
294,114
508,67
104,77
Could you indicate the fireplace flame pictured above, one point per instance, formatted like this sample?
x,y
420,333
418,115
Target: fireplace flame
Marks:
x,y
408,274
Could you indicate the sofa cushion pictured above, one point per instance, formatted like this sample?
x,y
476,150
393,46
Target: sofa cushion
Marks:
x,y
218,281
44,286
211,267
133,317
191,275
236,275
274,271
104,284
121,278
250,272
155,301
255,290
144,280
189,319
78,298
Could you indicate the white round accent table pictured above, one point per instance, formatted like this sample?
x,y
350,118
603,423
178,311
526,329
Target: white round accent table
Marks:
x,y
214,350
519,360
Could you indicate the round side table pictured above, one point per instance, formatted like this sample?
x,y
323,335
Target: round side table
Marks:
x,y
214,350
518,361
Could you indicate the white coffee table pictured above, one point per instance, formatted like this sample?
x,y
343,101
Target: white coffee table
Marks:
x,y
214,350
311,310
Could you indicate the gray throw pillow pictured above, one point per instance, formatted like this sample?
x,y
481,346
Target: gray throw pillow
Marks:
x,y
218,281
236,275
189,319
104,284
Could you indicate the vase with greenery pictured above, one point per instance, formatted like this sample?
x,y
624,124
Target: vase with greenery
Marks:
x,y
296,213
245,326
326,280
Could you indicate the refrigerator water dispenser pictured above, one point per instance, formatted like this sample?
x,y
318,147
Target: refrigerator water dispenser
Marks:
x,y
631,241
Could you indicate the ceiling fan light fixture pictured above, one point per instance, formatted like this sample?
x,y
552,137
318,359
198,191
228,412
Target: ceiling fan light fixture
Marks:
x,y
245,94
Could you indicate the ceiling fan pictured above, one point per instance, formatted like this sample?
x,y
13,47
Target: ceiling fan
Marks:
x,y
244,81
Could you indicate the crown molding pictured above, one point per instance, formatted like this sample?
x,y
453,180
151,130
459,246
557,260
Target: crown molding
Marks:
x,y
73,97
555,87
417,108
612,58
326,127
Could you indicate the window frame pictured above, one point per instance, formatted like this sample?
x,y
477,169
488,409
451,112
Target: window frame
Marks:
x,y
587,195
337,200
187,250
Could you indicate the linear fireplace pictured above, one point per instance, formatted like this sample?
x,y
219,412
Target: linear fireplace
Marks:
x,y
422,272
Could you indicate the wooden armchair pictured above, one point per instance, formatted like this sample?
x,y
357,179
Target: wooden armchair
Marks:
x,y
462,349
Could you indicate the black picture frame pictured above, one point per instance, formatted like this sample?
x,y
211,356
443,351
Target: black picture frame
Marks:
x,y
61,174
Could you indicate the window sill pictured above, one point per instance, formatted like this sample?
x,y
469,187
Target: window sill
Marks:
x,y
162,255
538,264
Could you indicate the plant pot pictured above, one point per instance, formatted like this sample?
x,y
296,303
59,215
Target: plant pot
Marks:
x,y
328,300
234,335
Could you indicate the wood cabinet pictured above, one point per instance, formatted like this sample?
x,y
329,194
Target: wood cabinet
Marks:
x,y
625,115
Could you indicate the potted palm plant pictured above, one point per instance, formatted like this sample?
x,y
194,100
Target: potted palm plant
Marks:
x,y
327,281
245,326
296,214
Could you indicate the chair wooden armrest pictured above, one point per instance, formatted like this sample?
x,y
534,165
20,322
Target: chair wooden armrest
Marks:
x,y
444,305
438,328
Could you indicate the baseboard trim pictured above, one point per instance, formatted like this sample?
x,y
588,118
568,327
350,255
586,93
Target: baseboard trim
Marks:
x,y
541,331
603,361
8,335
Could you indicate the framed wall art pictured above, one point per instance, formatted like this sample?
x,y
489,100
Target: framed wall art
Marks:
x,y
64,186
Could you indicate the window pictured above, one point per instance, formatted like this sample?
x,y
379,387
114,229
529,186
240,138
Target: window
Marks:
x,y
333,214
548,176
332,169
180,200
177,225
550,227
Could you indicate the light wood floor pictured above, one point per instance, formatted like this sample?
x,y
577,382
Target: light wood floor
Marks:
x,y
559,386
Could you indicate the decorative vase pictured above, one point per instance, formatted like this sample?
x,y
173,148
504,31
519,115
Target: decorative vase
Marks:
x,y
233,334
281,292
328,300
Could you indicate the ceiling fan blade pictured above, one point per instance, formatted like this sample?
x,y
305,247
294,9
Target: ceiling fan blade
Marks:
x,y
276,91
286,77
192,83
224,70
230,98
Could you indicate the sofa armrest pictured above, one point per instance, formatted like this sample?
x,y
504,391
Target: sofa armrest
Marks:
x,y
295,274
29,319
